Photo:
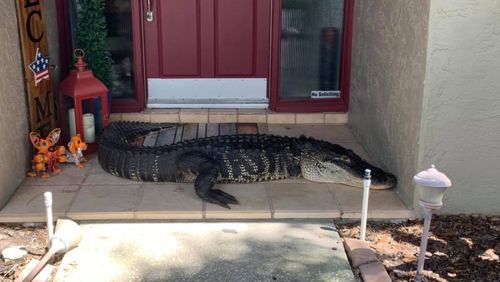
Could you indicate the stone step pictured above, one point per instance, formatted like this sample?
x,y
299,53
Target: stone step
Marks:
x,y
231,116
93,194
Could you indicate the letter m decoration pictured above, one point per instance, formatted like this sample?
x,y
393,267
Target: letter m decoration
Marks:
x,y
43,111
35,51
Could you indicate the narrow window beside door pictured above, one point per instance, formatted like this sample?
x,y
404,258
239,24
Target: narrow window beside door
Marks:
x,y
119,21
118,15
311,40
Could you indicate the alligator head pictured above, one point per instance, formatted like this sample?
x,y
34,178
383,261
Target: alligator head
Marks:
x,y
336,164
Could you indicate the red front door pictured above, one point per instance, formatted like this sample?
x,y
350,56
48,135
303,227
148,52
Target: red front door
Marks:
x,y
218,44
200,51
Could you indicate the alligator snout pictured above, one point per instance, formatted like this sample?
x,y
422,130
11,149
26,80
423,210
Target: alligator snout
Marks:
x,y
388,181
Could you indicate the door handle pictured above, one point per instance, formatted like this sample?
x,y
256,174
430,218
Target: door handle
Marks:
x,y
149,12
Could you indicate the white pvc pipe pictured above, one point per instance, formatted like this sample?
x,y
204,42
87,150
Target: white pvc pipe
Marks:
x,y
364,210
48,209
427,212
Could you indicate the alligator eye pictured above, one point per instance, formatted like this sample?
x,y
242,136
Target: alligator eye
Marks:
x,y
328,160
345,159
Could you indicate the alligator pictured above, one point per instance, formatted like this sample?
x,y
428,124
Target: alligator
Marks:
x,y
241,158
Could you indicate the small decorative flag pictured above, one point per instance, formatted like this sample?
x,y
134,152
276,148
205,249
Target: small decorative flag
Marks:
x,y
40,67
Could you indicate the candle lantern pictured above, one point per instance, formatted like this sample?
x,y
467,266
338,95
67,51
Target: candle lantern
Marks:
x,y
431,185
81,85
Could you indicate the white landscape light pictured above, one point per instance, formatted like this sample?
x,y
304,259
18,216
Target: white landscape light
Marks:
x,y
364,210
431,185
48,210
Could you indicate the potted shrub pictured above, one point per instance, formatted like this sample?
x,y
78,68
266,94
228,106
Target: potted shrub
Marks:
x,y
91,33
91,36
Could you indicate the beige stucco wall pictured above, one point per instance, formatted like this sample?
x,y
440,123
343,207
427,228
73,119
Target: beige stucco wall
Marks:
x,y
461,108
14,142
387,80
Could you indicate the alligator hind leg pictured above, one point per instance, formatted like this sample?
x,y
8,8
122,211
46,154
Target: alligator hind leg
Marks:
x,y
204,183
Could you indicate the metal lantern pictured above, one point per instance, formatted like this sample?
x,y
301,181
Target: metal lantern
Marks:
x,y
80,85
431,187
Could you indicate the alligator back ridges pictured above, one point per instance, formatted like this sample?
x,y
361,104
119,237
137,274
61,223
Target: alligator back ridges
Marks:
x,y
241,158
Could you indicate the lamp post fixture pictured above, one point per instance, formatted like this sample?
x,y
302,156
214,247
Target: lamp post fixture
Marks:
x,y
431,187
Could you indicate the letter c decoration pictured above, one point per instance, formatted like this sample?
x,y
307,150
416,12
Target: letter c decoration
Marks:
x,y
28,26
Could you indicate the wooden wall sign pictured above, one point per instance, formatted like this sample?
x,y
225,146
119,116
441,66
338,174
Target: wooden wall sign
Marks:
x,y
35,53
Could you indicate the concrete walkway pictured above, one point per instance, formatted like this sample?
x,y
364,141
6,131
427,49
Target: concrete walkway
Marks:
x,y
210,251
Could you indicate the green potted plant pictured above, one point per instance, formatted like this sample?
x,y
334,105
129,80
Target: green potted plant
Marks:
x,y
91,36
91,33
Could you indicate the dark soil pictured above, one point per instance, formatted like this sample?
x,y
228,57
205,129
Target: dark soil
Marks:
x,y
460,247
32,236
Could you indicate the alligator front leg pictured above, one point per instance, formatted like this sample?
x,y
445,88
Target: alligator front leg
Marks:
x,y
204,171
204,184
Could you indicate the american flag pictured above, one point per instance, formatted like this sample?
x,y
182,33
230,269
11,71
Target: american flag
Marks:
x,y
40,67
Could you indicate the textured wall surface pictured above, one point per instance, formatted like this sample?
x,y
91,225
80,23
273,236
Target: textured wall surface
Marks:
x,y
388,69
14,149
460,130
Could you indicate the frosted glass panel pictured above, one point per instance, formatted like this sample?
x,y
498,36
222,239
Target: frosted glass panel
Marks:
x,y
119,21
311,40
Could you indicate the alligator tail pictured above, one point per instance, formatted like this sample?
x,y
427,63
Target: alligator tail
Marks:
x,y
119,156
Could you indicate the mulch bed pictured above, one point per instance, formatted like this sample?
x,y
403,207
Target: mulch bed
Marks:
x,y
460,247
33,237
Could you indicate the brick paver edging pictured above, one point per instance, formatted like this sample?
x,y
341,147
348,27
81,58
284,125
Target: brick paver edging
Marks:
x,y
364,258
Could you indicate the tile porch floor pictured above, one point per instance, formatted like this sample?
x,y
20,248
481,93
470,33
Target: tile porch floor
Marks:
x,y
93,194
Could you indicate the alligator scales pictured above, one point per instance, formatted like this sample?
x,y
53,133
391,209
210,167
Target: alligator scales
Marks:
x,y
240,158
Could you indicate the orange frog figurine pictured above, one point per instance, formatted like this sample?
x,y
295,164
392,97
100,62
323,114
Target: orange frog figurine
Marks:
x,y
76,147
46,159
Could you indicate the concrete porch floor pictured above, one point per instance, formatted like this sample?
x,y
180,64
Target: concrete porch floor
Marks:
x,y
93,194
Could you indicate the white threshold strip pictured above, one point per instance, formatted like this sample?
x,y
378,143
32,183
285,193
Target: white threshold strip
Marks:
x,y
207,93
